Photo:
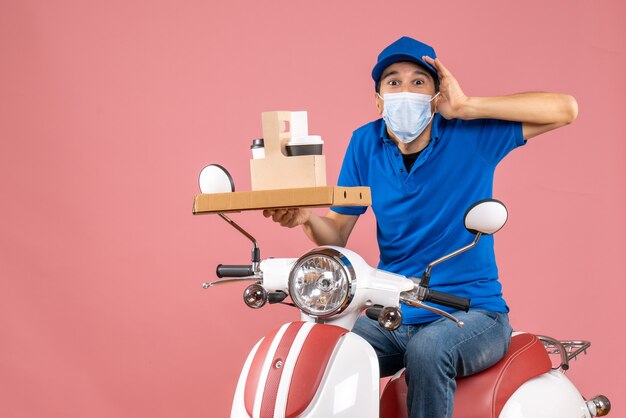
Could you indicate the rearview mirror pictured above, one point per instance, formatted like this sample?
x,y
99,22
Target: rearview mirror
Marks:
x,y
486,216
215,179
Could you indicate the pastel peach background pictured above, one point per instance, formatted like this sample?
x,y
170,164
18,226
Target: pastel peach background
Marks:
x,y
109,109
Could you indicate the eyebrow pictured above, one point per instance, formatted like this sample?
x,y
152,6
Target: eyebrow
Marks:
x,y
396,73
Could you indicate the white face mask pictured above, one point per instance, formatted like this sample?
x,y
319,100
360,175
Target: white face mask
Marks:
x,y
407,114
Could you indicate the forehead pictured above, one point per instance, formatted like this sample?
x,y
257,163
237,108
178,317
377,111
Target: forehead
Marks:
x,y
405,68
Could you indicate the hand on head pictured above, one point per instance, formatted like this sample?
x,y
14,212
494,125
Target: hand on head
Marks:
x,y
452,100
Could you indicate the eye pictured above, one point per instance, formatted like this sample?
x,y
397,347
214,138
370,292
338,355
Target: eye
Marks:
x,y
393,83
418,82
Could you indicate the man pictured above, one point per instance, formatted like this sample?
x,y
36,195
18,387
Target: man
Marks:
x,y
427,160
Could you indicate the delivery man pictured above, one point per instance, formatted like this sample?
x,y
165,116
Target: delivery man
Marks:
x,y
431,155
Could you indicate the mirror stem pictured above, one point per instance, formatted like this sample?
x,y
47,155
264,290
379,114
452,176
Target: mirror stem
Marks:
x,y
256,253
426,275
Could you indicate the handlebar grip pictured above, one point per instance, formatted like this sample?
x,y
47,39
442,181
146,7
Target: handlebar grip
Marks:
x,y
233,270
374,311
446,299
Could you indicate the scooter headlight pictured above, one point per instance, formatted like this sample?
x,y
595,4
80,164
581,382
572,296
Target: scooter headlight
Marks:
x,y
322,282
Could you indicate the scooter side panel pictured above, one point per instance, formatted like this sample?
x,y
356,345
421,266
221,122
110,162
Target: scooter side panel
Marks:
x,y
350,386
239,408
283,364
550,395
253,377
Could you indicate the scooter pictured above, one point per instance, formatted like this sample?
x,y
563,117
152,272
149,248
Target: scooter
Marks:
x,y
317,368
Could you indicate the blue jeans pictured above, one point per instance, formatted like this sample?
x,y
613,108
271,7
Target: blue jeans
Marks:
x,y
435,353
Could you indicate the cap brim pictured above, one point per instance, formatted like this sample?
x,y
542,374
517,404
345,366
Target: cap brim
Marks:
x,y
392,59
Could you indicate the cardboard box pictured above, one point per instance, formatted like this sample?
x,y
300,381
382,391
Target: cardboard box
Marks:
x,y
284,198
277,170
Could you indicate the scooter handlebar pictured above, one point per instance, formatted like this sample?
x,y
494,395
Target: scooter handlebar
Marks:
x,y
446,299
233,270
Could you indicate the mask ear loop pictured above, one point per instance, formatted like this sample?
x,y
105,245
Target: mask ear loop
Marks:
x,y
432,114
433,98
381,98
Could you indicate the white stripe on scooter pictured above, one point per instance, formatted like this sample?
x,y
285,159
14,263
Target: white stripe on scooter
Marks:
x,y
258,397
290,365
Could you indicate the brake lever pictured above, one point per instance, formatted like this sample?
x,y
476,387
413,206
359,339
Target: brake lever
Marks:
x,y
418,304
231,280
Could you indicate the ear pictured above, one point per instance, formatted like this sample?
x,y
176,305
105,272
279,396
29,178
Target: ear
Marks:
x,y
379,103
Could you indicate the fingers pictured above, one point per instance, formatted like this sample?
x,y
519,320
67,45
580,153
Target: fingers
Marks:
x,y
275,214
279,215
285,217
441,69
290,218
428,60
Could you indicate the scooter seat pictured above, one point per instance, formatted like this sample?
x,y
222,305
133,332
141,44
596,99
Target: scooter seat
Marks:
x,y
484,394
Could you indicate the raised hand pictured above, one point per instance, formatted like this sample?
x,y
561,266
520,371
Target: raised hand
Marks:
x,y
452,101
